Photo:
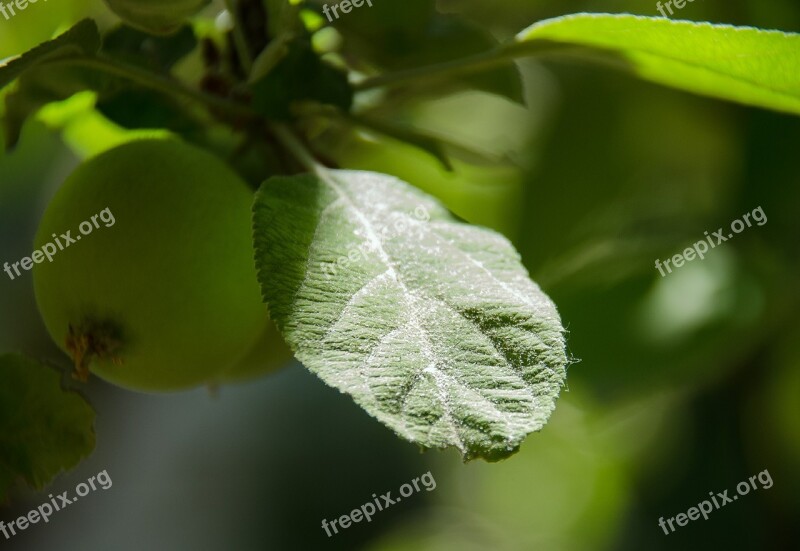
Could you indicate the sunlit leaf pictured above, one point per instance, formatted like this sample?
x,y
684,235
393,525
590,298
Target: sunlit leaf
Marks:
x,y
743,64
432,325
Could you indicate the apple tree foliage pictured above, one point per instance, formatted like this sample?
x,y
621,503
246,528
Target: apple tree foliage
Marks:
x,y
431,324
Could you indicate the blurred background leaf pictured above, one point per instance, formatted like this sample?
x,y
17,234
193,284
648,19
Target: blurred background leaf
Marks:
x,y
44,429
401,35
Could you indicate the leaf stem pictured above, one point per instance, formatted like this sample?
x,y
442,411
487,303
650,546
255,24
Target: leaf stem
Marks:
x,y
505,53
430,144
461,66
159,83
300,151
239,39
413,137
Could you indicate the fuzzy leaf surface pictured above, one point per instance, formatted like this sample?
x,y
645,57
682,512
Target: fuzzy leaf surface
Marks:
x,y
430,324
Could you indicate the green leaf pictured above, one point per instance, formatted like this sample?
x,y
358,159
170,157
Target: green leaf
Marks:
x,y
82,38
43,81
742,64
300,76
269,58
429,144
56,80
432,325
135,107
412,33
140,108
43,429
58,77
160,17
157,53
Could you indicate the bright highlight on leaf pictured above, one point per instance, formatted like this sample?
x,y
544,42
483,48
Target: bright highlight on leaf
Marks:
x,y
43,428
432,325
742,64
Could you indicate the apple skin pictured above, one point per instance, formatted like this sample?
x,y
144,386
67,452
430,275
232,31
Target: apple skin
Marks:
x,y
166,297
269,354
159,17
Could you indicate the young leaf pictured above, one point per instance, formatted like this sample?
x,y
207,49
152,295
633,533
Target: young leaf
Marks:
x,y
300,75
43,428
82,38
742,64
157,53
402,35
139,108
160,17
432,325
42,84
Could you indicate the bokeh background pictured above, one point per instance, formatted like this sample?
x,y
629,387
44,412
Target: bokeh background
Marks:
x,y
681,385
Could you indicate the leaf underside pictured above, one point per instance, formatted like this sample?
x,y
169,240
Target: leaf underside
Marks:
x,y
432,325
43,428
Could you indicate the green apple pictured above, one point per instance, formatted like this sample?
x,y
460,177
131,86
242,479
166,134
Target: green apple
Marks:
x,y
268,354
157,290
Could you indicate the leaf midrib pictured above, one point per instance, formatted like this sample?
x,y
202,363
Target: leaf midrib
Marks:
x,y
394,273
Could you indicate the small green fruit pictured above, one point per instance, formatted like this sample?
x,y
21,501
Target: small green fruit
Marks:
x,y
268,354
156,16
165,296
